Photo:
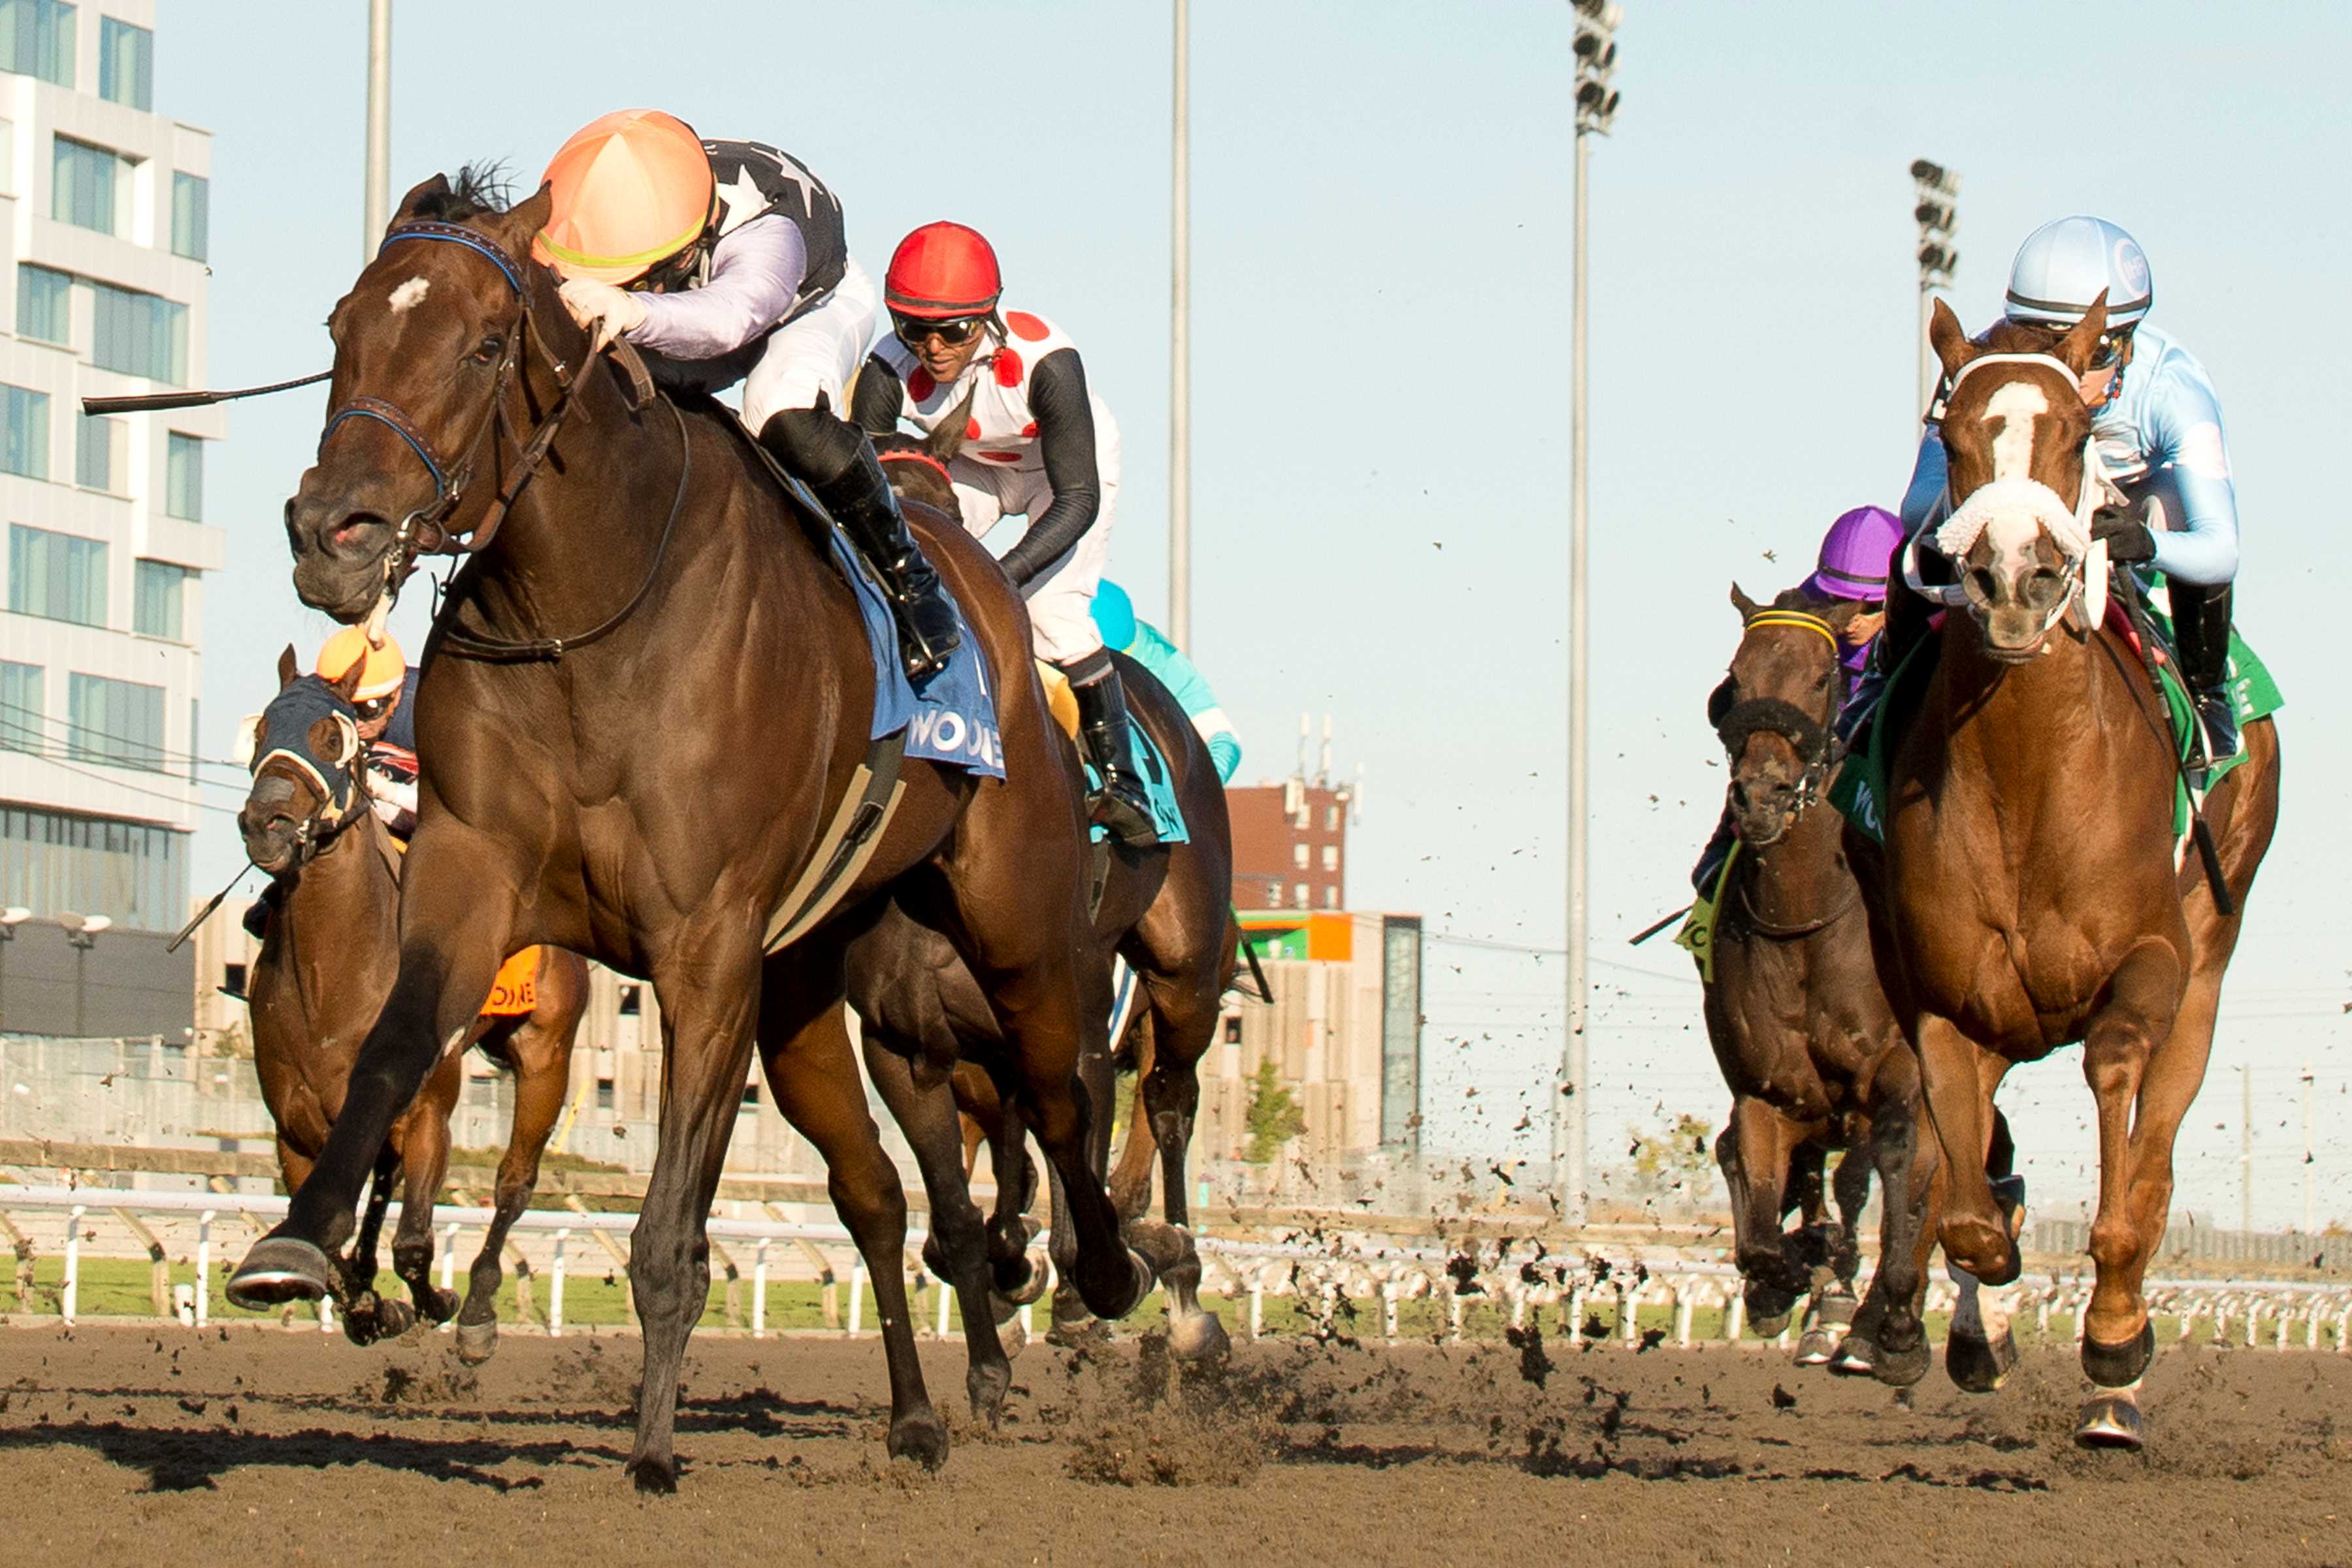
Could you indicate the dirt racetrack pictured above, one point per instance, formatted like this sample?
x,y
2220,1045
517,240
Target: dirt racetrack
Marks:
x,y
125,1444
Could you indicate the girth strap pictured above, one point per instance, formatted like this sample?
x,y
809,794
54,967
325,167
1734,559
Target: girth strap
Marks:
x,y
849,842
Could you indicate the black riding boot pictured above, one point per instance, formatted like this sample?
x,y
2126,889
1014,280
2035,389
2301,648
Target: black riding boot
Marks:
x,y
860,499
1104,728
2200,629
259,913
1711,859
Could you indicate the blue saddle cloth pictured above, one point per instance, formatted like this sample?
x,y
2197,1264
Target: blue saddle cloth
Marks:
x,y
951,717
1158,789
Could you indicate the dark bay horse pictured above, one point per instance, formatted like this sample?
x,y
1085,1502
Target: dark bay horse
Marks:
x,y
1800,1025
2035,893
322,973
646,697
1166,909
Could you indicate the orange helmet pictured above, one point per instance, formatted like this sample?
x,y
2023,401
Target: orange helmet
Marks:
x,y
384,667
631,189
941,272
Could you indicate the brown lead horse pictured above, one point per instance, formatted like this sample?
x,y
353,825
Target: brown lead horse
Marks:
x,y
2034,894
324,969
1167,912
646,701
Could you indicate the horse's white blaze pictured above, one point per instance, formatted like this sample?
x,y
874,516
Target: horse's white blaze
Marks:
x,y
409,294
2018,406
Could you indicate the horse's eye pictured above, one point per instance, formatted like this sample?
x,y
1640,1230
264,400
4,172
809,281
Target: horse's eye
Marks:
x,y
487,352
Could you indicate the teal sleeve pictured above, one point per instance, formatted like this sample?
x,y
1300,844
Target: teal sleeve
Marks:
x,y
1176,672
1225,752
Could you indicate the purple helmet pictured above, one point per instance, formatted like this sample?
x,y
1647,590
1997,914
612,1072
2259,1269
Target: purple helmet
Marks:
x,y
1854,555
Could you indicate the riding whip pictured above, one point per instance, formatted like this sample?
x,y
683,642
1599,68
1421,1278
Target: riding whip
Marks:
x,y
153,402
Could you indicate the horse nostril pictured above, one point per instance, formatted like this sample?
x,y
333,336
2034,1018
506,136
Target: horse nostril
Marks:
x,y
351,529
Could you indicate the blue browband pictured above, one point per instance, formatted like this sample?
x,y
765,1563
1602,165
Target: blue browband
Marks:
x,y
457,234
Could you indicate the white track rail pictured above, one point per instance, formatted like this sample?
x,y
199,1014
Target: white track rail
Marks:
x,y
1327,1280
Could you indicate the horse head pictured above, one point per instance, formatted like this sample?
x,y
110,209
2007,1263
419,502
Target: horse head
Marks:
x,y
429,343
918,467
1772,710
306,768
2021,485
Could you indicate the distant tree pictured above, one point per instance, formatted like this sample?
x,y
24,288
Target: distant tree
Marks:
x,y
1274,1117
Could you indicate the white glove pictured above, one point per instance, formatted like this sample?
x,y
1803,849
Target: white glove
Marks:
x,y
607,312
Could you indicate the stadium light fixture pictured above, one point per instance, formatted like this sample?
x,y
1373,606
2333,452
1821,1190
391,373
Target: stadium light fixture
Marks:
x,y
1935,208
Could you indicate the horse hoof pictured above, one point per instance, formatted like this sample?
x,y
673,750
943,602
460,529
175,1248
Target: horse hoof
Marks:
x,y
1901,1368
1199,1340
922,1438
1979,1365
477,1342
1818,1346
987,1387
1013,1338
2114,1366
393,1319
2009,1198
1768,1326
655,1478
1116,1298
436,1303
278,1270
2112,1421
1032,1290
1856,1356
1835,1312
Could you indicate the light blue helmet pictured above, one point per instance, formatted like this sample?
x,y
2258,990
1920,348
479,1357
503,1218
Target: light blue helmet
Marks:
x,y
2062,267
1114,615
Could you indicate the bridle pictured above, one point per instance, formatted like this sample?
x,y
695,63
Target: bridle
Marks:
x,y
427,530
2084,575
1812,739
1815,741
340,802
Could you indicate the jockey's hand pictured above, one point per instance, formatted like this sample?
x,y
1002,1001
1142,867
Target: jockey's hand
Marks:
x,y
2128,540
607,312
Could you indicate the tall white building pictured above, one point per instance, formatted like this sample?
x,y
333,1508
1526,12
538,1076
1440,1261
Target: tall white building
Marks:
x,y
103,214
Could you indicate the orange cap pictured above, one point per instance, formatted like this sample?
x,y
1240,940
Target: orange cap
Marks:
x,y
384,668
631,189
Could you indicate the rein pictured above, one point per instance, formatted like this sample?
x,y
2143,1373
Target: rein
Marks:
x,y
914,455
427,530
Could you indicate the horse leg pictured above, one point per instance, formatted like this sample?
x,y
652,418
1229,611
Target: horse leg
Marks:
x,y
1889,1340
2122,1243
1131,1180
2144,1002
543,1059
1829,1312
425,1161
708,994
1074,1323
804,1046
1953,1069
1020,1274
1181,1023
453,923
365,1315
957,1249
1759,1142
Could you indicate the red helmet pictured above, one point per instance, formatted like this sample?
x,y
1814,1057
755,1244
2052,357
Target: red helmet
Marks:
x,y
941,272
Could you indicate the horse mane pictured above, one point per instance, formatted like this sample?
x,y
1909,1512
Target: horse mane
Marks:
x,y
1799,598
477,189
2008,337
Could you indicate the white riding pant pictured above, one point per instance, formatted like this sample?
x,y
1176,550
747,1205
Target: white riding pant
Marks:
x,y
816,353
1062,596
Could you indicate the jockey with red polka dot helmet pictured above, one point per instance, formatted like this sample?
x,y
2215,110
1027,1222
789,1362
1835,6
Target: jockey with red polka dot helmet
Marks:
x,y
1035,441
724,262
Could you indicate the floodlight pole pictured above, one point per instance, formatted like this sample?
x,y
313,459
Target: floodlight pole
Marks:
x,y
379,125
1180,350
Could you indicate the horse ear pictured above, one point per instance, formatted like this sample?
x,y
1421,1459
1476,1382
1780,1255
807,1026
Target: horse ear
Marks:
x,y
519,225
2078,347
347,685
1743,604
946,440
438,185
289,668
1949,339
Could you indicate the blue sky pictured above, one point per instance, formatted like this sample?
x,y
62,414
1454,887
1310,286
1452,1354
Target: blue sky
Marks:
x,y
1380,285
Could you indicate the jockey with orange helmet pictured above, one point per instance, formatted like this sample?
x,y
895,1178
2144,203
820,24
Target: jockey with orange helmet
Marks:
x,y
1035,442
726,261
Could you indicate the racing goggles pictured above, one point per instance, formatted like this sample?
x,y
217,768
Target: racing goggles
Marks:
x,y
913,331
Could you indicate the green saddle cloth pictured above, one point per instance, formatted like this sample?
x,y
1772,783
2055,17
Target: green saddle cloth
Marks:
x,y
1862,784
1697,936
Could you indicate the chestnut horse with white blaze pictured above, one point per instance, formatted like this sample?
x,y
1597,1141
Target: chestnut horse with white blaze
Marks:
x,y
2033,891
